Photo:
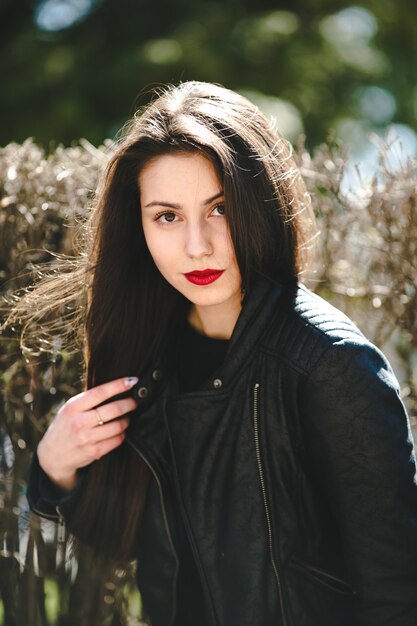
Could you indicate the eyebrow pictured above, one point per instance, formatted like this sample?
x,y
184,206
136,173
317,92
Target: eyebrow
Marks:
x,y
173,205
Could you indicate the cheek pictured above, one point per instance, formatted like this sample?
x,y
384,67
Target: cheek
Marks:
x,y
150,238
157,248
230,250
223,240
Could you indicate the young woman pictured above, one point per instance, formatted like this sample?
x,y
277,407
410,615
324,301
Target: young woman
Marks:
x,y
261,469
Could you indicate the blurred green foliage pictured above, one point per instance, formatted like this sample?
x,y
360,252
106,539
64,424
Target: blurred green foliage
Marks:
x,y
328,61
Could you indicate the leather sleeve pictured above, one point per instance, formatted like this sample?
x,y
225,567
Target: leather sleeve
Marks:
x,y
360,448
44,496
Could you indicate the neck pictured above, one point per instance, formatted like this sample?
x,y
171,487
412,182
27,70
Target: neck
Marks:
x,y
214,321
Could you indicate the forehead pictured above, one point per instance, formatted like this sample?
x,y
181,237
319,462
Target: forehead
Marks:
x,y
174,171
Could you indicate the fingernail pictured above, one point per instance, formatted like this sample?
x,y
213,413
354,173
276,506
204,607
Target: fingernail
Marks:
x,y
132,380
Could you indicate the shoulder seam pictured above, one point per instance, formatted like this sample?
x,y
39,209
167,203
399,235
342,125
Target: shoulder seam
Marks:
x,y
276,353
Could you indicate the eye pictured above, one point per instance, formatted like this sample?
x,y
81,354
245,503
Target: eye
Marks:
x,y
163,214
219,207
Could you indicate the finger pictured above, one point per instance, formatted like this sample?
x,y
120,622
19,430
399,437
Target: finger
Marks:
x,y
107,431
96,395
110,411
107,445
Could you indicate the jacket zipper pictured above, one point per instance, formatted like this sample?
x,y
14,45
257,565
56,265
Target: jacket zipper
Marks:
x,y
61,526
58,518
265,499
174,584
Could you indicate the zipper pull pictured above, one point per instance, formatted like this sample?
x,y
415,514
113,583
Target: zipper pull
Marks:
x,y
60,550
61,527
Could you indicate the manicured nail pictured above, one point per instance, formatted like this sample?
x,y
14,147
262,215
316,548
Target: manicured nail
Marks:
x,y
132,380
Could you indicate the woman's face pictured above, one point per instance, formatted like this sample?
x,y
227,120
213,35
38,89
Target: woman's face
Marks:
x,y
185,227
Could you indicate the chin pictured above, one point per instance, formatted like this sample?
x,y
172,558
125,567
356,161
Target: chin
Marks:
x,y
210,299
204,299
207,295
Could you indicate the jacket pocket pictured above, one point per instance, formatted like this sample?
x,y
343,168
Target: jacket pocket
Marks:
x,y
324,578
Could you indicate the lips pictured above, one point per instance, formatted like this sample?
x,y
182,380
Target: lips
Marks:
x,y
203,272
203,277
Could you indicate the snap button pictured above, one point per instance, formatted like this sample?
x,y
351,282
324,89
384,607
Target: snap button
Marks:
x,y
217,383
142,392
157,374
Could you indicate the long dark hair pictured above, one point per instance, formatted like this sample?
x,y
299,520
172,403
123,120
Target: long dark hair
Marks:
x,y
125,302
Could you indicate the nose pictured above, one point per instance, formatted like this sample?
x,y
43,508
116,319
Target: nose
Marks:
x,y
198,241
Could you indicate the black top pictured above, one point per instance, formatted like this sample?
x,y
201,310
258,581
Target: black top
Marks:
x,y
197,356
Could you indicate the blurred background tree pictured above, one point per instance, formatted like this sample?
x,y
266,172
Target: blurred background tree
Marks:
x,y
78,68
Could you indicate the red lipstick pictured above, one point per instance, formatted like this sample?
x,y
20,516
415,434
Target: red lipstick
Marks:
x,y
204,277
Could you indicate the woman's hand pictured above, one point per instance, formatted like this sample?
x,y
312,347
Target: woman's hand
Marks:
x,y
81,433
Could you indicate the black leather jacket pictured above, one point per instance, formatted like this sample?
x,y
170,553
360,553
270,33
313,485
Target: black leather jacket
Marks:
x,y
295,469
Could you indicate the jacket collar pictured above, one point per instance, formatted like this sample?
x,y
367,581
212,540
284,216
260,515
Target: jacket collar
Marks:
x,y
160,381
257,311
